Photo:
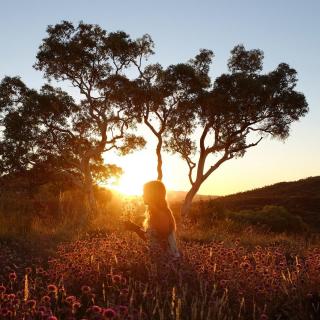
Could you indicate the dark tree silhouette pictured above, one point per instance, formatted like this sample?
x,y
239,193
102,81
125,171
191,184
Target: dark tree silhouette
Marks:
x,y
95,62
161,92
103,118
51,129
32,148
240,109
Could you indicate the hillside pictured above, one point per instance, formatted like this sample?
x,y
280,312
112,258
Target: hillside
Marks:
x,y
178,196
300,197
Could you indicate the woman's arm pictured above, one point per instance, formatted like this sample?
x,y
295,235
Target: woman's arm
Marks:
x,y
130,226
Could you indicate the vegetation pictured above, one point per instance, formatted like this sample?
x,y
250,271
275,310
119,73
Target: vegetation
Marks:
x,y
235,114
63,253
108,275
64,137
236,264
300,198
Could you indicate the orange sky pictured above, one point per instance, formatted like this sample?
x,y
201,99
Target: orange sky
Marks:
x,y
270,162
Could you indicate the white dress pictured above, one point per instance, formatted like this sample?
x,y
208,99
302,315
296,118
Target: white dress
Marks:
x,y
162,248
172,245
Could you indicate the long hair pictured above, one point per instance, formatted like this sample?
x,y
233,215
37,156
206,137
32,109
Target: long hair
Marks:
x,y
160,217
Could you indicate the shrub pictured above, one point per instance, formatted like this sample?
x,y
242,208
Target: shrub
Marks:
x,y
275,218
205,213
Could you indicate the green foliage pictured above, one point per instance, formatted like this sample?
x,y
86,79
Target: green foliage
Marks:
x,y
274,218
240,109
67,138
51,213
205,213
300,198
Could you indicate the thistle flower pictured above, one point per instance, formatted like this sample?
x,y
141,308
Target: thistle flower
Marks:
x,y
12,276
11,296
109,313
46,299
70,299
31,304
85,289
42,309
52,288
76,305
116,279
96,309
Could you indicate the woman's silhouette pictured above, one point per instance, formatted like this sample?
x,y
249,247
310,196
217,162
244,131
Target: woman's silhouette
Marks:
x,y
160,224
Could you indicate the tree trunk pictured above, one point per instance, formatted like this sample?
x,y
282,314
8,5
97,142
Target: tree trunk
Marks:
x,y
91,199
88,187
186,206
159,158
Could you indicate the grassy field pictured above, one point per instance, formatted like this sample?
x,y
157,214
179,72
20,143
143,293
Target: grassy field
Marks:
x,y
232,266
108,274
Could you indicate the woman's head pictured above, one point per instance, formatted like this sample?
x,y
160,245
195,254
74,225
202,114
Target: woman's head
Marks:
x,y
160,216
154,193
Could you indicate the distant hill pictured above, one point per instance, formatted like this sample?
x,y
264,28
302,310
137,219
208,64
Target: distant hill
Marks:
x,y
300,197
178,196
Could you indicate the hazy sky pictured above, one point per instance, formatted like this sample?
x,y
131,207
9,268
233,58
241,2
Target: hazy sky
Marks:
x,y
287,31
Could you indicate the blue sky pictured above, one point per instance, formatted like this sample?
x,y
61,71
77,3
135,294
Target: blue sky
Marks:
x,y
287,31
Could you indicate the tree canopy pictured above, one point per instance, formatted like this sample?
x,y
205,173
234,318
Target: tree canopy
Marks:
x,y
206,121
73,134
236,113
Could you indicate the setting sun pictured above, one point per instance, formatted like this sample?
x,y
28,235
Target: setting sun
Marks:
x,y
138,168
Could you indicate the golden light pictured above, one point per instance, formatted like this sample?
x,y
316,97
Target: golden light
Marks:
x,y
138,168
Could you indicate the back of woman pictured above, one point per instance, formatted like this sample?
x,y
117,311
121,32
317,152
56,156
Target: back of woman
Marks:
x,y
160,222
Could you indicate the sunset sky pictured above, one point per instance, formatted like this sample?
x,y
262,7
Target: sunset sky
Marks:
x,y
287,31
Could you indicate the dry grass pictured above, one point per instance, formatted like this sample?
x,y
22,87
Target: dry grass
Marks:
x,y
69,270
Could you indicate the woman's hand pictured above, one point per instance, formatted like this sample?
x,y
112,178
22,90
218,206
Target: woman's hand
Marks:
x,y
130,226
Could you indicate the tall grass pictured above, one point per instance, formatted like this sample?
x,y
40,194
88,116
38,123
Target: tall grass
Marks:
x,y
230,269
65,214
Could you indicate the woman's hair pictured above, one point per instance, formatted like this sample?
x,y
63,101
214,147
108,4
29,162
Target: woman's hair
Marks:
x,y
160,216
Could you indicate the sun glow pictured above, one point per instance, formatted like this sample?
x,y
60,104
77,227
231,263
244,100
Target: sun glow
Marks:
x,y
138,168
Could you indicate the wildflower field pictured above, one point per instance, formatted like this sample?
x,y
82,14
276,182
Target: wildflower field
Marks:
x,y
108,275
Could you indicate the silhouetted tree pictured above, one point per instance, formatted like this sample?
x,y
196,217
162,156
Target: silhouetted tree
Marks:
x,y
31,149
161,92
240,109
95,62
103,117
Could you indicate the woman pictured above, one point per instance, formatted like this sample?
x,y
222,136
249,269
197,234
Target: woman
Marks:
x,y
160,224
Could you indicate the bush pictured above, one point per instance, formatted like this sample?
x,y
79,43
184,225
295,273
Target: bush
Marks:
x,y
47,212
205,213
275,218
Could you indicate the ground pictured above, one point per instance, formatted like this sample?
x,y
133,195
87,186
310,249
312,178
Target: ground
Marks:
x,y
106,275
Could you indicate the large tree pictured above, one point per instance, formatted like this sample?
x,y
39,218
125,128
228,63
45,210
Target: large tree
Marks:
x,y
95,62
102,117
32,148
240,109
160,93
